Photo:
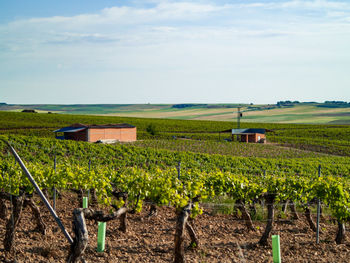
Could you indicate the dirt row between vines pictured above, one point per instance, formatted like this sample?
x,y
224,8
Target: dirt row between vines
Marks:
x,y
223,239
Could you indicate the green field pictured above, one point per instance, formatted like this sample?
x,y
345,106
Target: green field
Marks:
x,y
316,113
321,138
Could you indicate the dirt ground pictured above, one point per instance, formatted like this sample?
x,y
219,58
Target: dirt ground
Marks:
x,y
223,239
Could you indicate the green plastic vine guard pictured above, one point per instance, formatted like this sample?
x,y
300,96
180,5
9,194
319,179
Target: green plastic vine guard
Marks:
x,y
101,236
85,202
276,252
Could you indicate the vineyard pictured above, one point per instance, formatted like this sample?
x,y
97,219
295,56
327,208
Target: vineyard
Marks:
x,y
329,139
180,182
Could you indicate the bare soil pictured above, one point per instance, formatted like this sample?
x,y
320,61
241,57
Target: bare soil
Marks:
x,y
223,239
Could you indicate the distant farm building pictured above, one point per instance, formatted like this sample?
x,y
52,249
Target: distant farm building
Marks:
x,y
248,135
108,133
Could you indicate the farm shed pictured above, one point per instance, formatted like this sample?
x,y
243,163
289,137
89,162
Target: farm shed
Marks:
x,y
250,135
107,133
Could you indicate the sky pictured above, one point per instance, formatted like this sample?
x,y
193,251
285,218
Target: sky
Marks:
x,y
155,51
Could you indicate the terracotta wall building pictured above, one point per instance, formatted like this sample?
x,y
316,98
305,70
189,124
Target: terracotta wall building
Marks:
x,y
250,135
107,133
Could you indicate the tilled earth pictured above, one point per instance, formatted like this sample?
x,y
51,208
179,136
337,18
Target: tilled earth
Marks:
x,y
223,238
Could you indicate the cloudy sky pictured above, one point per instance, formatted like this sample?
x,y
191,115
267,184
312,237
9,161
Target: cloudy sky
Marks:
x,y
106,51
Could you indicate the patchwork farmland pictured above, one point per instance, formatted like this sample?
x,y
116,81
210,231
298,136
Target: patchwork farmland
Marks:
x,y
182,192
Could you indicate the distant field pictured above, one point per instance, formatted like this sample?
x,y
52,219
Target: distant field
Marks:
x,y
321,138
309,113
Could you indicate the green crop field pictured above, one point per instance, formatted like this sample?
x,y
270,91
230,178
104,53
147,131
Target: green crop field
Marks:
x,y
316,113
329,139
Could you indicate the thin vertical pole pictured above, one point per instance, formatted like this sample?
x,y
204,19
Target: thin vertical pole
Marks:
x,y
42,196
238,120
318,212
178,170
54,188
11,200
239,117
88,197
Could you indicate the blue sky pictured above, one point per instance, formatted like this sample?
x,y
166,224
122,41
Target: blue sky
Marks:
x,y
106,51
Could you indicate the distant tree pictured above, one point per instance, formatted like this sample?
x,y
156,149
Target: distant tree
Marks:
x,y
29,111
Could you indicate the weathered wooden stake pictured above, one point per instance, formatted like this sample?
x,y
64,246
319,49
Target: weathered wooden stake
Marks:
x,y
54,189
123,222
179,253
309,218
3,210
295,215
81,237
270,199
42,196
318,213
12,222
245,215
178,170
341,233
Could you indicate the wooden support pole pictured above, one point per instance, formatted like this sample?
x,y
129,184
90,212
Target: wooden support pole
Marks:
x,y
179,253
318,213
12,222
246,216
42,196
270,199
340,233
81,237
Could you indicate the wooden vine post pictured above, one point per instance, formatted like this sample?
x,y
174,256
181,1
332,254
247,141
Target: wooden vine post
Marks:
x,y
240,204
309,218
81,238
40,193
295,215
181,221
3,210
182,225
270,199
13,221
318,212
18,204
340,238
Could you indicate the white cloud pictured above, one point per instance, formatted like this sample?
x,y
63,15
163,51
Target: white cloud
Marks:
x,y
185,44
132,15
316,4
299,4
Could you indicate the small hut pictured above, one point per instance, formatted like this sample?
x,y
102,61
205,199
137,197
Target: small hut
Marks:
x,y
107,133
250,135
